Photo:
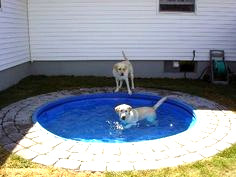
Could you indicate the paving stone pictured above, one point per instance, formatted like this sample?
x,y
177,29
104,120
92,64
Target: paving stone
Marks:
x,y
172,144
134,157
127,149
191,157
155,147
32,135
2,133
41,148
69,164
9,117
10,147
43,138
66,145
62,154
1,120
25,142
15,136
208,152
111,149
23,129
53,142
35,128
95,148
82,156
105,158
23,121
93,166
27,154
220,146
219,134
230,137
13,147
9,127
170,162
4,140
208,142
46,159
120,166
79,147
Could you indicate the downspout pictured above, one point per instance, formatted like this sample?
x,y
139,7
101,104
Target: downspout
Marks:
x,y
28,24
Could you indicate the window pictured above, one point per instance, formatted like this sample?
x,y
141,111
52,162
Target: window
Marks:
x,y
177,5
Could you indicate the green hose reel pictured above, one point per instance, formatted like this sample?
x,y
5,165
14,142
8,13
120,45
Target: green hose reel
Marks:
x,y
219,68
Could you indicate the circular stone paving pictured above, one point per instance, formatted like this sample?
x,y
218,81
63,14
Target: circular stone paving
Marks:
x,y
214,131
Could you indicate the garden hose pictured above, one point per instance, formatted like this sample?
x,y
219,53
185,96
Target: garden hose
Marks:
x,y
219,67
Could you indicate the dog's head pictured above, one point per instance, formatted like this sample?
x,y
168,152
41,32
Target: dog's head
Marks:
x,y
123,111
121,69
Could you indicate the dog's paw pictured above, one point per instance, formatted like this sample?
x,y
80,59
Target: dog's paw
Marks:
x,y
130,92
128,126
117,90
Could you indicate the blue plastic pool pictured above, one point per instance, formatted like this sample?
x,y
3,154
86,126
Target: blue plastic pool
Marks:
x,y
92,118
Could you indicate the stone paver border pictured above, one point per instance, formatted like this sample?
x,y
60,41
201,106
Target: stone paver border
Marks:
x,y
214,131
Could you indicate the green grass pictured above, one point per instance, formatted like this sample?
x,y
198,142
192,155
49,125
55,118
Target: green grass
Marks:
x,y
223,164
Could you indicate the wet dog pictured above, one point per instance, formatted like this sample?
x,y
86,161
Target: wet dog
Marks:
x,y
122,71
131,116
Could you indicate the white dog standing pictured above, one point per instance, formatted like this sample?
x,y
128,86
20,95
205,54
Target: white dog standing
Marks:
x,y
121,72
131,116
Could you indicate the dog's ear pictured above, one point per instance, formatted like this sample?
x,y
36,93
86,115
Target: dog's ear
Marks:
x,y
130,108
125,68
116,67
117,109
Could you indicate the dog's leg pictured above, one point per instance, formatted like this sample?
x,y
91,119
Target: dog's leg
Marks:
x,y
117,85
132,80
121,83
127,84
152,119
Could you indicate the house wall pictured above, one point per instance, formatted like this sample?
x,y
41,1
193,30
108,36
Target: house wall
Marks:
x,y
14,40
67,30
142,69
13,75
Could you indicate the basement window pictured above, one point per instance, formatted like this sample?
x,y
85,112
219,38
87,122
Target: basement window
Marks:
x,y
177,5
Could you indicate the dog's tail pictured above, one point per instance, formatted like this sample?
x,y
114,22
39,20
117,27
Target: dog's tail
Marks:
x,y
123,53
160,102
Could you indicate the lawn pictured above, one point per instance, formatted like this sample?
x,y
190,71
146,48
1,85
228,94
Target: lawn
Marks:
x,y
222,164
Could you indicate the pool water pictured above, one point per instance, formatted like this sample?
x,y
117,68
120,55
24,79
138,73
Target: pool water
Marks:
x,y
92,118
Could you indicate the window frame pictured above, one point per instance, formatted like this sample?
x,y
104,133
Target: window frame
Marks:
x,y
178,12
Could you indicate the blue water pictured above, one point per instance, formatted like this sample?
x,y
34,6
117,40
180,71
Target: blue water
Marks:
x,y
92,118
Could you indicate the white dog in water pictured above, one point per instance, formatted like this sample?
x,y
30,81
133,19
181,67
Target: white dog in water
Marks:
x,y
131,116
121,72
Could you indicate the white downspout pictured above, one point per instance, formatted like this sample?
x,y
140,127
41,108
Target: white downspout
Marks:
x,y
28,23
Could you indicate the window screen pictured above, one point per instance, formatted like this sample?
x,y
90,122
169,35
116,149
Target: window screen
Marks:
x,y
177,5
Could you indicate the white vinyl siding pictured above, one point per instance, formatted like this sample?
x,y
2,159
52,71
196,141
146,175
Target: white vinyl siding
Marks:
x,y
101,29
14,41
